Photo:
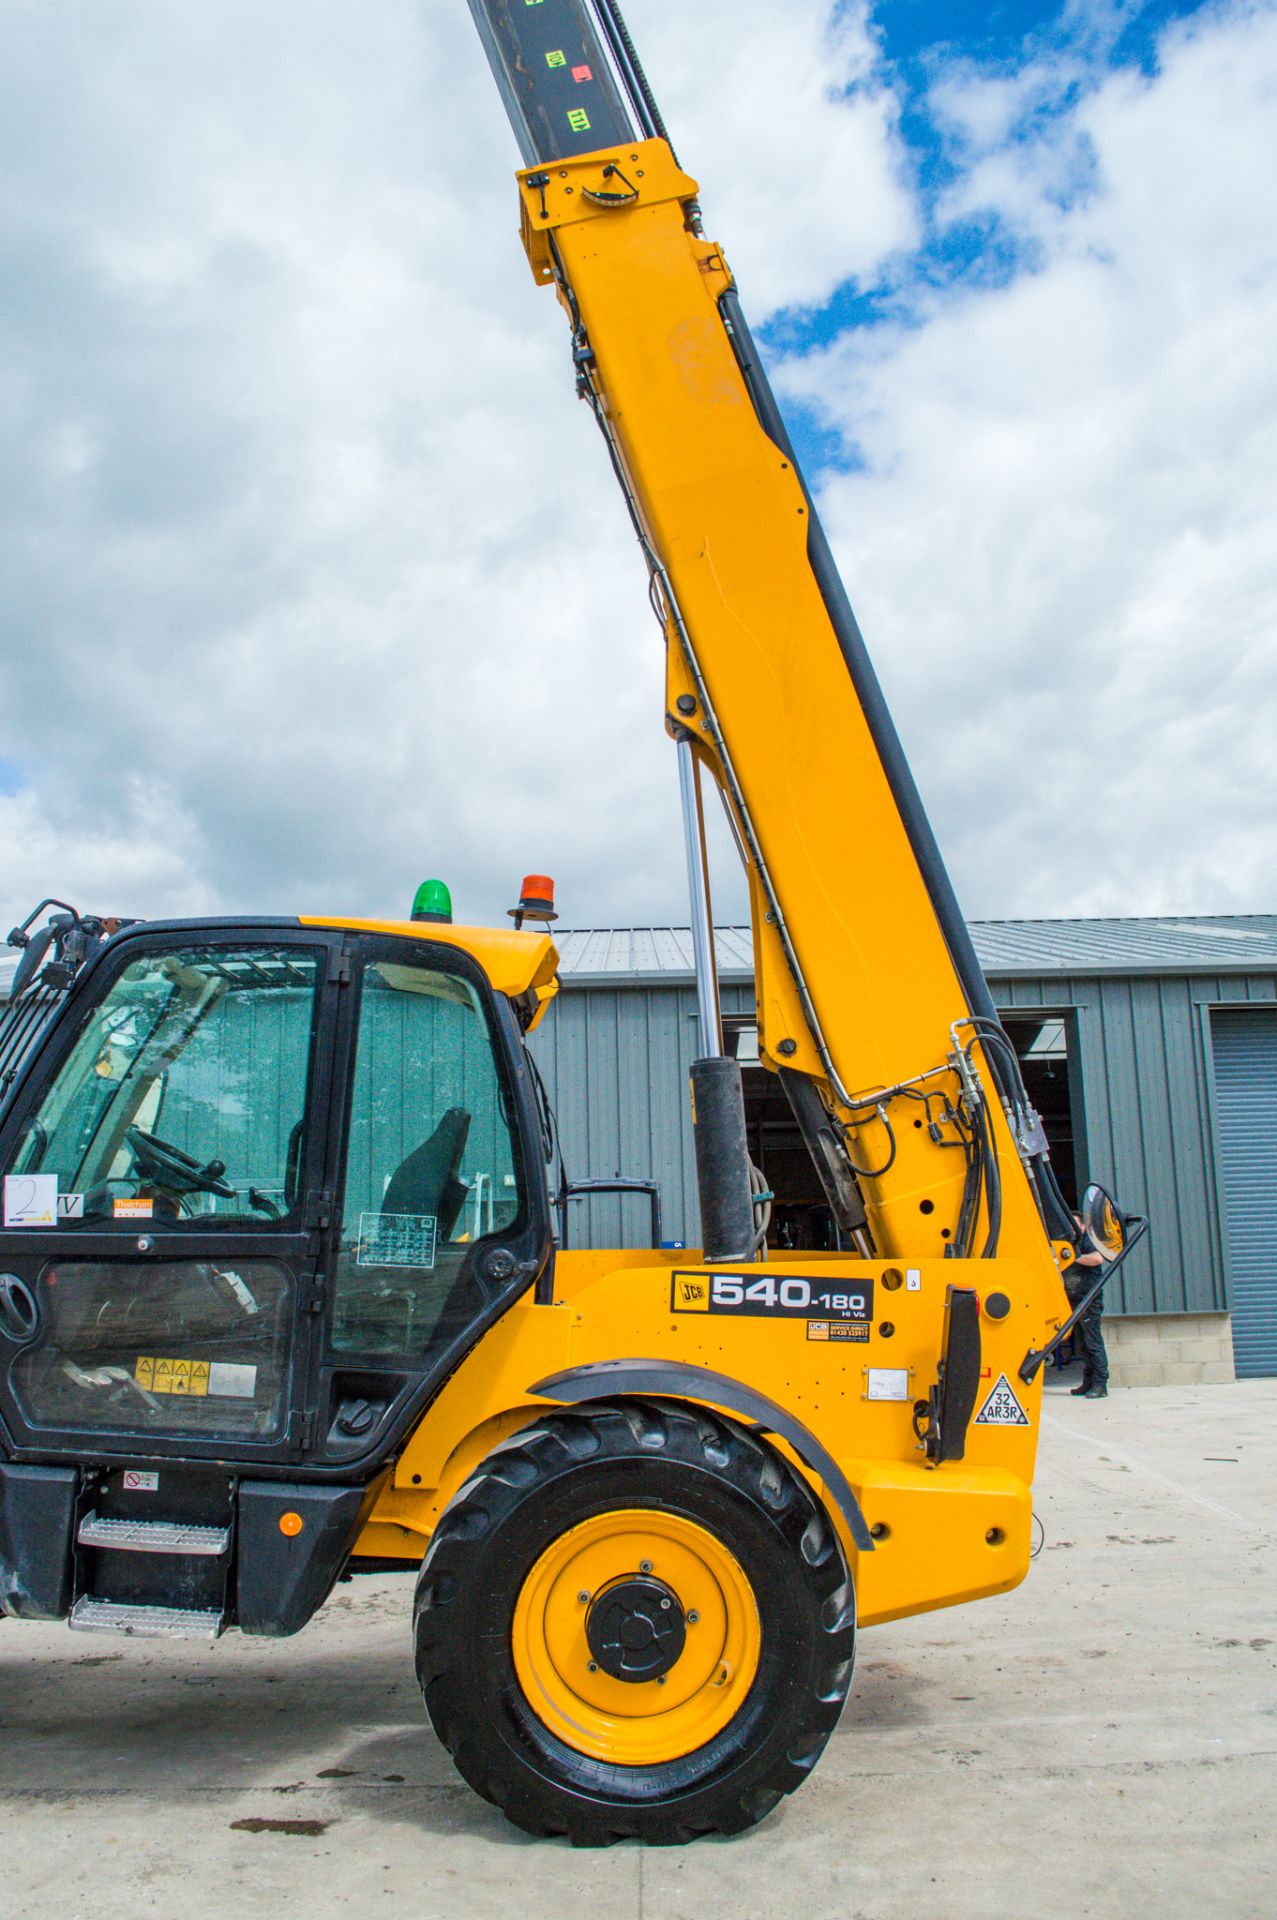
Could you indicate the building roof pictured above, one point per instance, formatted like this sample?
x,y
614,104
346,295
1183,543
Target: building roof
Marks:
x,y
1008,949
1176,944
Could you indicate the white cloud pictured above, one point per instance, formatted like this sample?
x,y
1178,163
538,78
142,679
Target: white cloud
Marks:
x,y
1062,545
774,107
314,576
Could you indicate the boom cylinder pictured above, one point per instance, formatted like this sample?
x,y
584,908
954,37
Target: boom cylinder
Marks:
x,y
723,1175
722,1160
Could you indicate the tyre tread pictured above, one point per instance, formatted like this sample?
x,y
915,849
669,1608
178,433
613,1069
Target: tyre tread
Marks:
x,y
533,1460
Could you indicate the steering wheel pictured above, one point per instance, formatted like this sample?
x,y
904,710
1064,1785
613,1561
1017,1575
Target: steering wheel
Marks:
x,y
169,1167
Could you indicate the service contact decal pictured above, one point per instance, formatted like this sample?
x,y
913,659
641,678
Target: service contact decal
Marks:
x,y
846,1305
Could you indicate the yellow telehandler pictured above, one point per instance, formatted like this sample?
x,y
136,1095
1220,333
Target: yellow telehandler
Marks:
x,y
281,1299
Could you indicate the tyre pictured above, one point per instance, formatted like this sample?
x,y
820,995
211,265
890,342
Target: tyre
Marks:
x,y
634,1622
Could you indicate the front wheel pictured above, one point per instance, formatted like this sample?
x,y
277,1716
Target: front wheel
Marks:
x,y
634,1622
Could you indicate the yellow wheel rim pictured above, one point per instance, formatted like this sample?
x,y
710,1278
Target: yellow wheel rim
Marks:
x,y
636,1723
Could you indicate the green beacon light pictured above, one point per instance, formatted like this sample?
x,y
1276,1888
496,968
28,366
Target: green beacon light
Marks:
x,y
432,901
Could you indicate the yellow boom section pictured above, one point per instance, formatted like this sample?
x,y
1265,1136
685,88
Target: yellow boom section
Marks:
x,y
843,922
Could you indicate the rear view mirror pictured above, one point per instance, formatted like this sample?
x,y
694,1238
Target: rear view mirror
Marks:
x,y
1105,1226
29,965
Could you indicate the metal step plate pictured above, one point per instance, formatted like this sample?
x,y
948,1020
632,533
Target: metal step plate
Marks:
x,y
158,1623
152,1536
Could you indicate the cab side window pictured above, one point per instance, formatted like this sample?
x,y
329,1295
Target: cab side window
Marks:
x,y
431,1167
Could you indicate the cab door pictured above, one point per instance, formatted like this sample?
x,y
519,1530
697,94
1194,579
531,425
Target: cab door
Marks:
x,y
440,1216
163,1176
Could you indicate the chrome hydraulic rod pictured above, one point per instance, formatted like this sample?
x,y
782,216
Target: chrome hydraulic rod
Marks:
x,y
709,1012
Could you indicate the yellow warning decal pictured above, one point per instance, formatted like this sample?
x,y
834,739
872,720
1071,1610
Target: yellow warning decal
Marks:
x,y
556,59
578,120
164,1375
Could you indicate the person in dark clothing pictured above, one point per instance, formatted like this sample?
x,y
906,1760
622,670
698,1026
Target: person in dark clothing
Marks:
x,y
1078,1281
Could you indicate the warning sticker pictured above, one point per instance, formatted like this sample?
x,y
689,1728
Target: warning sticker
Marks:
x,y
159,1374
1001,1409
134,1480
843,1308
195,1379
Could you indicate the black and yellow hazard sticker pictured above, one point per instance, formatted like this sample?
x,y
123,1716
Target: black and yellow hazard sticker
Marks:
x,y
160,1375
843,1309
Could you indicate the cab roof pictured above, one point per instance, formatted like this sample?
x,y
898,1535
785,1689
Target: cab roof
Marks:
x,y
515,963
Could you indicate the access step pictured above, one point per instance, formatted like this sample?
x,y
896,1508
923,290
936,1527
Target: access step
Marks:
x,y
152,1536
148,1623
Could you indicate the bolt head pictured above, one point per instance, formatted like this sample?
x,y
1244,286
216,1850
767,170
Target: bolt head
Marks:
x,y
583,1597
660,1679
593,1666
645,1566
692,1618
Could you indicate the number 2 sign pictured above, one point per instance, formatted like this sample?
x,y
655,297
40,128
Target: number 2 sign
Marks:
x,y
30,1199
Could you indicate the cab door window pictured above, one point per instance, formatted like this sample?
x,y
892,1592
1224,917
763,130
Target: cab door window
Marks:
x,y
432,1169
184,1098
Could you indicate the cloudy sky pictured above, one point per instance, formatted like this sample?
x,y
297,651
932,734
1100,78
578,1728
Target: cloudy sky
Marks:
x,y
312,577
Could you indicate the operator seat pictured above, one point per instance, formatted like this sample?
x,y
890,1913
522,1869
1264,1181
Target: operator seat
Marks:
x,y
427,1181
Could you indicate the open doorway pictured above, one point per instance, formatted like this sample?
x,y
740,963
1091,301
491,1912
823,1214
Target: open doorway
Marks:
x,y
1045,1047
801,1220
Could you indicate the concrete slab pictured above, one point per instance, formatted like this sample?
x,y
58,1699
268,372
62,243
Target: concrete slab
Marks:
x,y
1104,1739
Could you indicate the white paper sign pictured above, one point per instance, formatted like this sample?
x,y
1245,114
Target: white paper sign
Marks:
x,y
888,1383
30,1199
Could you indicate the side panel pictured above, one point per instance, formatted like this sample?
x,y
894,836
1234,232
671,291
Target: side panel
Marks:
x,y
37,1506
847,1362
293,1543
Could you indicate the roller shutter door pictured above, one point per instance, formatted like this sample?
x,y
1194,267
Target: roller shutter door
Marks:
x,y
1245,1049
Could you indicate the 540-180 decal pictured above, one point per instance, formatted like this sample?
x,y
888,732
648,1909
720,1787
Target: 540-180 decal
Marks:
x,y
838,1309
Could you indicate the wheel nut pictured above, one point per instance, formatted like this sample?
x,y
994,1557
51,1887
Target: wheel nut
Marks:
x,y
583,1597
645,1566
692,1618
593,1666
660,1679
665,1606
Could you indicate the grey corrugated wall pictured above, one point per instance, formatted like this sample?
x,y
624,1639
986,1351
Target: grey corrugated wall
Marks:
x,y
616,1062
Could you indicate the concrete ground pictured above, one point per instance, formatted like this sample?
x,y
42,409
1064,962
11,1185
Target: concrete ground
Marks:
x,y
1102,1742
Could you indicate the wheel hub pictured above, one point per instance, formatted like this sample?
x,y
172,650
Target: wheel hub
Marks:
x,y
636,1629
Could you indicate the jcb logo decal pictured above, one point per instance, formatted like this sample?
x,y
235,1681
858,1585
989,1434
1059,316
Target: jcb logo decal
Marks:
x,y
690,1296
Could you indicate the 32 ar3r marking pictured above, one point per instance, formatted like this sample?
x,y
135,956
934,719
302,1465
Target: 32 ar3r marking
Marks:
x,y
787,1297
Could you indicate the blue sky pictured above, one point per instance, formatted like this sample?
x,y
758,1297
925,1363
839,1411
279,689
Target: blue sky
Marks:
x,y
922,44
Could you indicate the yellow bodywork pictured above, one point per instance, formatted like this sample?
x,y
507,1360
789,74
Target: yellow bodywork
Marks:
x,y
942,1535
864,998
517,964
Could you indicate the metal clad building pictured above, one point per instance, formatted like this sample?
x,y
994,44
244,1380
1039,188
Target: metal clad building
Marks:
x,y
1149,1045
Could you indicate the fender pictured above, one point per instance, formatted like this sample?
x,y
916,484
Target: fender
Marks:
x,y
676,1381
